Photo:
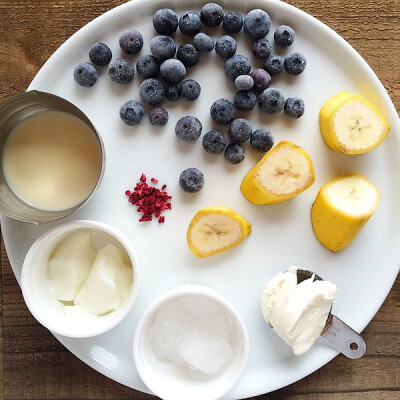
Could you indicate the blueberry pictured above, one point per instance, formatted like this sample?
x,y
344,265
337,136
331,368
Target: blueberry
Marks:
x,y
151,91
188,129
85,74
234,153
172,70
121,70
240,130
244,82
257,24
261,140
190,23
261,78
273,64
294,107
214,142
232,22
226,46
284,36
158,116
162,47
191,180
147,66
190,90
165,21
131,41
188,54
172,93
271,101
245,100
211,14
295,63
237,65
100,54
203,42
222,111
131,112
261,48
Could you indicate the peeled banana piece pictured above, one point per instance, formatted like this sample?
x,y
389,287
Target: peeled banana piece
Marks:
x,y
350,124
284,172
342,208
216,229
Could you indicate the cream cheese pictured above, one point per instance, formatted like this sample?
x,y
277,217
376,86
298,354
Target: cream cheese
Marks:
x,y
297,312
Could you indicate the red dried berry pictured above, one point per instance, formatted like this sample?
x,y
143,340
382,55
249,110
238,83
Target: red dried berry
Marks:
x,y
154,180
143,178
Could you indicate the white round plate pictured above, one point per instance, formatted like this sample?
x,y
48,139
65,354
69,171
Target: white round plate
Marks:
x,y
282,234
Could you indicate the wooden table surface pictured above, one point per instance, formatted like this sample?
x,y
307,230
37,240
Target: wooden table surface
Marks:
x,y
34,365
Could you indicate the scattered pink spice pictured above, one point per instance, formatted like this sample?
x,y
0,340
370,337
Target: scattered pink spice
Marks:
x,y
149,200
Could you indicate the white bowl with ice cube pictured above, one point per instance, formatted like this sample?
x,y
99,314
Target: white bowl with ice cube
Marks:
x,y
81,278
191,344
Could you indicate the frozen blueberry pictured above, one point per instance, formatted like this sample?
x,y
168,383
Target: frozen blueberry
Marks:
x,y
131,112
85,74
284,36
121,70
190,23
294,107
261,78
261,48
245,100
222,111
191,180
211,14
232,22
261,140
147,66
244,82
203,42
234,153
257,24
188,54
172,93
190,90
165,21
188,129
162,47
172,70
295,63
237,65
151,91
100,54
273,64
271,101
240,130
226,46
131,41
158,116
214,142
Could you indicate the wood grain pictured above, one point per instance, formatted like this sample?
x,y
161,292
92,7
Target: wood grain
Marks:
x,y
34,365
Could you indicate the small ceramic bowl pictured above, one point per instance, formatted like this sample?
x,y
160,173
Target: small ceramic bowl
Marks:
x,y
171,381
38,291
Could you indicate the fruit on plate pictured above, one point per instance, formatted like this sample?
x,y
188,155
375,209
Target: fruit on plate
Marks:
x,y
284,172
342,208
350,124
216,229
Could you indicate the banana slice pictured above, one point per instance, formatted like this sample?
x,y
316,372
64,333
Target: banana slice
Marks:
x,y
284,172
342,208
216,229
350,124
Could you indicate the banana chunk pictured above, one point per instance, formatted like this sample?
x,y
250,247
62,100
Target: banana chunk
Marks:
x,y
342,208
350,124
216,229
284,172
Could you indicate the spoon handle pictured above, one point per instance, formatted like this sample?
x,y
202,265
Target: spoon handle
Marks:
x,y
344,338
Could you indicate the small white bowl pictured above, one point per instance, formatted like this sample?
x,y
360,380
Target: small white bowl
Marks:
x,y
38,293
172,382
